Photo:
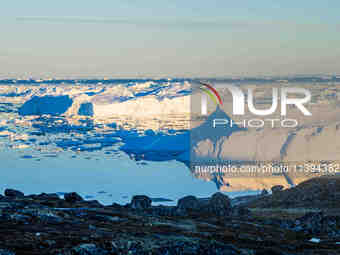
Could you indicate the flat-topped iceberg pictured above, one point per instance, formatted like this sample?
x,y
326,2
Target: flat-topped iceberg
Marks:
x,y
52,105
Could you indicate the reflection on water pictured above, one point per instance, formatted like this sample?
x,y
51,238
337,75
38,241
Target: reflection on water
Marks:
x,y
134,138
90,174
91,150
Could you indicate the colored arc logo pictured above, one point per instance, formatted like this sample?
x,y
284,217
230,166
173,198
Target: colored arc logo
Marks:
x,y
212,92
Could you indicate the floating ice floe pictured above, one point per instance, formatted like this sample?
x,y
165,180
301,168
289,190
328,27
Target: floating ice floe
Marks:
x,y
4,133
20,146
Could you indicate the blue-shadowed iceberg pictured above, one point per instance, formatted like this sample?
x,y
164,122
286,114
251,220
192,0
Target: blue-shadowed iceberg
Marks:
x,y
52,105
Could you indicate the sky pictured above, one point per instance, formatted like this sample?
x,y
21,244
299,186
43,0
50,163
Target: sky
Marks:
x,y
169,38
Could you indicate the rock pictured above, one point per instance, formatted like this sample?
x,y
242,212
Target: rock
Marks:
x,y
277,188
6,252
103,218
219,204
243,200
76,228
72,197
271,251
50,242
240,211
13,193
89,249
49,200
188,202
44,196
116,206
264,192
140,202
89,204
162,210
319,193
5,205
311,222
51,196
51,219
184,247
20,218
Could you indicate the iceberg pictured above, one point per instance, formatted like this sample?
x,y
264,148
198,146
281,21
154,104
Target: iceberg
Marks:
x,y
52,105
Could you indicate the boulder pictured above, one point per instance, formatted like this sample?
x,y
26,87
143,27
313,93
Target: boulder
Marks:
x,y
51,196
219,204
188,202
277,188
72,197
13,193
140,202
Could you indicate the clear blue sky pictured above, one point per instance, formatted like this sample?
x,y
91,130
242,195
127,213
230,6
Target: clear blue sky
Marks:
x,y
129,38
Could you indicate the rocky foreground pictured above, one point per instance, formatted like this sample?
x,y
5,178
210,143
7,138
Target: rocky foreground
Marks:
x,y
48,224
